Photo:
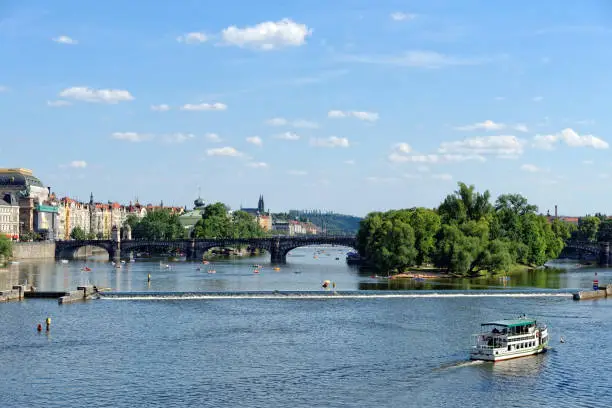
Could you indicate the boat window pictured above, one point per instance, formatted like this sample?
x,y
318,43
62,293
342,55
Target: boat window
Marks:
x,y
509,348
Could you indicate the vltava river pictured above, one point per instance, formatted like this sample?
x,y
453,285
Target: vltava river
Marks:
x,y
173,350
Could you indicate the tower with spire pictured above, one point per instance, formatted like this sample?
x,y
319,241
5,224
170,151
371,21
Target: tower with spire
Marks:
x,y
260,205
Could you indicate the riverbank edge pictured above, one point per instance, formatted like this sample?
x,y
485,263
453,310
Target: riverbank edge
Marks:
x,y
436,273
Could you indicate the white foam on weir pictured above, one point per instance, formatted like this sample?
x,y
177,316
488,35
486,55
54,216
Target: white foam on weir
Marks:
x,y
332,296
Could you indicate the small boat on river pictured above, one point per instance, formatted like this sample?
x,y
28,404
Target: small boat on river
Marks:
x,y
506,339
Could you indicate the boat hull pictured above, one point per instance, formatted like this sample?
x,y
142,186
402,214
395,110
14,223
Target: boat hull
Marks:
x,y
506,356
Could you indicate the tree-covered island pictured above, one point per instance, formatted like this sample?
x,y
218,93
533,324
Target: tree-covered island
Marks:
x,y
466,235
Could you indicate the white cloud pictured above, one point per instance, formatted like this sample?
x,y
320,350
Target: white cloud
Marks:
x,y
256,140
538,98
571,138
192,38
160,108
486,125
301,123
443,176
521,127
502,146
258,165
297,172
374,179
288,136
268,35
399,16
396,157
224,151
403,148
78,164
82,93
331,141
298,123
64,39
418,59
204,106
531,168
349,162
58,103
367,116
178,137
213,137
276,122
131,136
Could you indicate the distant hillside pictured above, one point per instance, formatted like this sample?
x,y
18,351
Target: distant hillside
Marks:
x,y
331,222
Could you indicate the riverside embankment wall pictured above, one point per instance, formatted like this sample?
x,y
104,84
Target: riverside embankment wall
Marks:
x,y
34,250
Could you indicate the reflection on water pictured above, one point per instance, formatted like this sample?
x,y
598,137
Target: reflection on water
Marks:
x,y
306,269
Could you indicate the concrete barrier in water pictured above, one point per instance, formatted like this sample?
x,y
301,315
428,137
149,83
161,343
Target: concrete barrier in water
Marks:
x,y
594,294
17,293
82,293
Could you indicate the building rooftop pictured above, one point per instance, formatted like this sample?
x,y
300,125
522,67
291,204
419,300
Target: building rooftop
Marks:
x,y
18,178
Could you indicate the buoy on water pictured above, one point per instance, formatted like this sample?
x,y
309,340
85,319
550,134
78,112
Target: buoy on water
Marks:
x,y
39,327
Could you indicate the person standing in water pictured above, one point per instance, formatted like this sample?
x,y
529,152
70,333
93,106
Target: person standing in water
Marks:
x,y
48,322
149,278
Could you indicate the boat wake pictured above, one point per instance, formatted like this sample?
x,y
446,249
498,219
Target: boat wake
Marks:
x,y
305,295
460,364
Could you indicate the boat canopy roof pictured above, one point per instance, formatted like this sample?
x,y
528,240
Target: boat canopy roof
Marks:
x,y
511,323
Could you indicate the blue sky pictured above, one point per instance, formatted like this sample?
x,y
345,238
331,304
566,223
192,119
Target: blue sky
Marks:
x,y
350,106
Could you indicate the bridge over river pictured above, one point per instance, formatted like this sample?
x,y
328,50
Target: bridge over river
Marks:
x,y
600,250
277,246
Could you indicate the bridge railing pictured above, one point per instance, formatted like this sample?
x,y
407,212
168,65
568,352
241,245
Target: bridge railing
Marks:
x,y
299,237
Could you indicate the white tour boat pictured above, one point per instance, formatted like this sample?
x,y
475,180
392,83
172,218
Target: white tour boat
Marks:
x,y
506,339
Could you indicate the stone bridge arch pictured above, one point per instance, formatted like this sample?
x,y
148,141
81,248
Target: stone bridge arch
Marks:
x,y
69,248
135,245
200,247
298,242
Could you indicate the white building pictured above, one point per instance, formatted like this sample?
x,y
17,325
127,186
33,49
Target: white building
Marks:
x,y
9,216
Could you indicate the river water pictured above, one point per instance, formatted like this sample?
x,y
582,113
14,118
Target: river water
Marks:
x,y
193,338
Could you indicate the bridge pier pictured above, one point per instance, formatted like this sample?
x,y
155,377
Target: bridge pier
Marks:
x,y
604,254
276,253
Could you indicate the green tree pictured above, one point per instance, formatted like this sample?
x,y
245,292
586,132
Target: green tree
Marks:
x,y
587,228
465,204
425,223
6,246
387,240
78,234
215,222
244,225
157,225
604,232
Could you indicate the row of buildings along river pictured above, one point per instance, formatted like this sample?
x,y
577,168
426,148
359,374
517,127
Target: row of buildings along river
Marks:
x,y
27,206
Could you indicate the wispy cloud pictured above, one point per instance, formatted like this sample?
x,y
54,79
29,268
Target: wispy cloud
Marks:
x,y
331,141
224,151
82,93
178,137
213,137
192,38
64,39
361,115
258,165
399,16
288,136
256,140
298,123
418,59
160,108
571,138
58,103
131,136
204,107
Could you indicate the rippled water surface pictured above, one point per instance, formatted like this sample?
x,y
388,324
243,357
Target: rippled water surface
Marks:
x,y
292,351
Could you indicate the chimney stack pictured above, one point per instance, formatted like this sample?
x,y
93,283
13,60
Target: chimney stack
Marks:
x,y
556,215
